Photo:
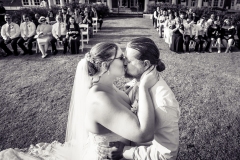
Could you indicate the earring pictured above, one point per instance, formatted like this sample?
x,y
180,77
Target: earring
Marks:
x,y
108,73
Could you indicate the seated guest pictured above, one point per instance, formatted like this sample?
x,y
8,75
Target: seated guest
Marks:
x,y
228,32
95,14
27,29
77,16
59,32
44,35
87,19
170,24
177,37
50,18
10,33
162,20
188,34
73,35
214,33
199,36
35,19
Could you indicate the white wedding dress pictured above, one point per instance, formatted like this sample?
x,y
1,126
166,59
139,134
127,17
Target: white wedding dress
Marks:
x,y
79,143
58,151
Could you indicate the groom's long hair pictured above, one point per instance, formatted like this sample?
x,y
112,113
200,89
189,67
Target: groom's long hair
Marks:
x,y
147,51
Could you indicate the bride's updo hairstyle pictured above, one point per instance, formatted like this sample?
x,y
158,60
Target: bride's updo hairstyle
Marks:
x,y
101,52
147,51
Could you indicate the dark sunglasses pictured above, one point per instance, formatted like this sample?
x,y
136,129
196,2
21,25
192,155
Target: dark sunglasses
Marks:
x,y
7,18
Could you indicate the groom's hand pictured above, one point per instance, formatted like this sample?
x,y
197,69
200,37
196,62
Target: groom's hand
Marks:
x,y
114,150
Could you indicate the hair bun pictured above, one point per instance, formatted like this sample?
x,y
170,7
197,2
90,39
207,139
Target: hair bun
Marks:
x,y
92,70
160,66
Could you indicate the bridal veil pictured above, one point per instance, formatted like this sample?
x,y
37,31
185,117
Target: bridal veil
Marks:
x,y
76,133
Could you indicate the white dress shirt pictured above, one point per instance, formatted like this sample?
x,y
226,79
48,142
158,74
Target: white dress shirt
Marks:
x,y
187,29
55,29
199,30
166,135
31,29
14,31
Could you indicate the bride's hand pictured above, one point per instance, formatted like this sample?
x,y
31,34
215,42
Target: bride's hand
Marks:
x,y
149,78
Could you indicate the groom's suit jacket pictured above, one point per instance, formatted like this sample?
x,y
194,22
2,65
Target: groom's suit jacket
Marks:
x,y
167,113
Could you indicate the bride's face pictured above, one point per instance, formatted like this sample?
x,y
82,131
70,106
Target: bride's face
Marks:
x,y
117,66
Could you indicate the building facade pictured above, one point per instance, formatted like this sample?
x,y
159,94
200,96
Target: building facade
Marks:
x,y
142,4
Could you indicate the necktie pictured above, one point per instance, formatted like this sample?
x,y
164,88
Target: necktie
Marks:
x,y
26,29
59,30
9,30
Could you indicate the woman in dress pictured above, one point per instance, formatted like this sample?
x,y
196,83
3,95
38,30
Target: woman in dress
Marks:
x,y
177,37
214,33
44,35
98,111
170,24
73,35
228,32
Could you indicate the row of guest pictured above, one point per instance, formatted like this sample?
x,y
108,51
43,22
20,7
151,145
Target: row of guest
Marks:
x,y
165,13
45,34
179,31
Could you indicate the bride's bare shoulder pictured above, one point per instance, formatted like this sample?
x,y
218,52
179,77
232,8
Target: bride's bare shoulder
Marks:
x,y
98,94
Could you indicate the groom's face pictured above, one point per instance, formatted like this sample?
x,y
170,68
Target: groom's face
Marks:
x,y
134,68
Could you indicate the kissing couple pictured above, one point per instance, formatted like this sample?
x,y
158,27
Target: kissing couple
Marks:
x,y
107,123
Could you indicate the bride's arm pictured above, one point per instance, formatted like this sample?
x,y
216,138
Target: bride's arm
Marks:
x,y
108,112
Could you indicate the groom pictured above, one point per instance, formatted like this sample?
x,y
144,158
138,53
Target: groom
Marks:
x,y
166,134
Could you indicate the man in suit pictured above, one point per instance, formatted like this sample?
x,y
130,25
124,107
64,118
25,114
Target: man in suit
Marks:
x,y
28,30
10,33
59,32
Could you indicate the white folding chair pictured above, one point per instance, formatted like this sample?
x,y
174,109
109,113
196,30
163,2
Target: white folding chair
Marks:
x,y
95,25
84,32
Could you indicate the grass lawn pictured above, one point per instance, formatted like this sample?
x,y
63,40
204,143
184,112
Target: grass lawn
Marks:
x,y
35,94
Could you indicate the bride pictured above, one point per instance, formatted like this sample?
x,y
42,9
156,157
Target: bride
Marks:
x,y
99,112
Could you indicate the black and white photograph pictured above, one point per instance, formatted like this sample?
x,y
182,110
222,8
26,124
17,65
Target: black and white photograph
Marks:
x,y
119,79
